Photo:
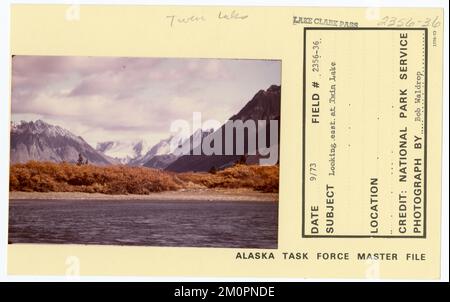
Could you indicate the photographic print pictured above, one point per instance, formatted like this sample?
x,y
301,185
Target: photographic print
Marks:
x,y
227,142
144,151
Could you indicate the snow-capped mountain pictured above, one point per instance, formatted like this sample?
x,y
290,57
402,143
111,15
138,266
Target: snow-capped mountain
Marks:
x,y
161,148
163,153
124,151
41,141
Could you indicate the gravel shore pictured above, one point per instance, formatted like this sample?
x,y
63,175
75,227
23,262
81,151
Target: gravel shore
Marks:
x,y
183,195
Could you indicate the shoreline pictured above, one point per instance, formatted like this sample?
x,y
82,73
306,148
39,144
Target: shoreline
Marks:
x,y
244,195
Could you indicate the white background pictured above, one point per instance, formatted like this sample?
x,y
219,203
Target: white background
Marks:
x,y
5,59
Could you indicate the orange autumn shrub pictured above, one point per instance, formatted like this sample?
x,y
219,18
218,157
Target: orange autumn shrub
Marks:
x,y
259,178
65,177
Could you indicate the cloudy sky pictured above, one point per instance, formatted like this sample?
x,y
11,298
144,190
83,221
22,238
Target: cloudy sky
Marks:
x,y
102,98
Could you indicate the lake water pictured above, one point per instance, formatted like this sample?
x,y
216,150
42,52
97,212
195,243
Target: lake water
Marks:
x,y
146,223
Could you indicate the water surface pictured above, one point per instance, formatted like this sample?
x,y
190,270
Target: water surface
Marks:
x,y
236,224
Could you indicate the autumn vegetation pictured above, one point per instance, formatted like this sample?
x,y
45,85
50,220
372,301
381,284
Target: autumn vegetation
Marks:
x,y
258,178
65,177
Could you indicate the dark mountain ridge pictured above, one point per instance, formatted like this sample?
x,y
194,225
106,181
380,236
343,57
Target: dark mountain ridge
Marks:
x,y
264,106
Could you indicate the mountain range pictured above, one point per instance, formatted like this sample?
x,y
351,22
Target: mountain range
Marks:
x,y
264,106
41,141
